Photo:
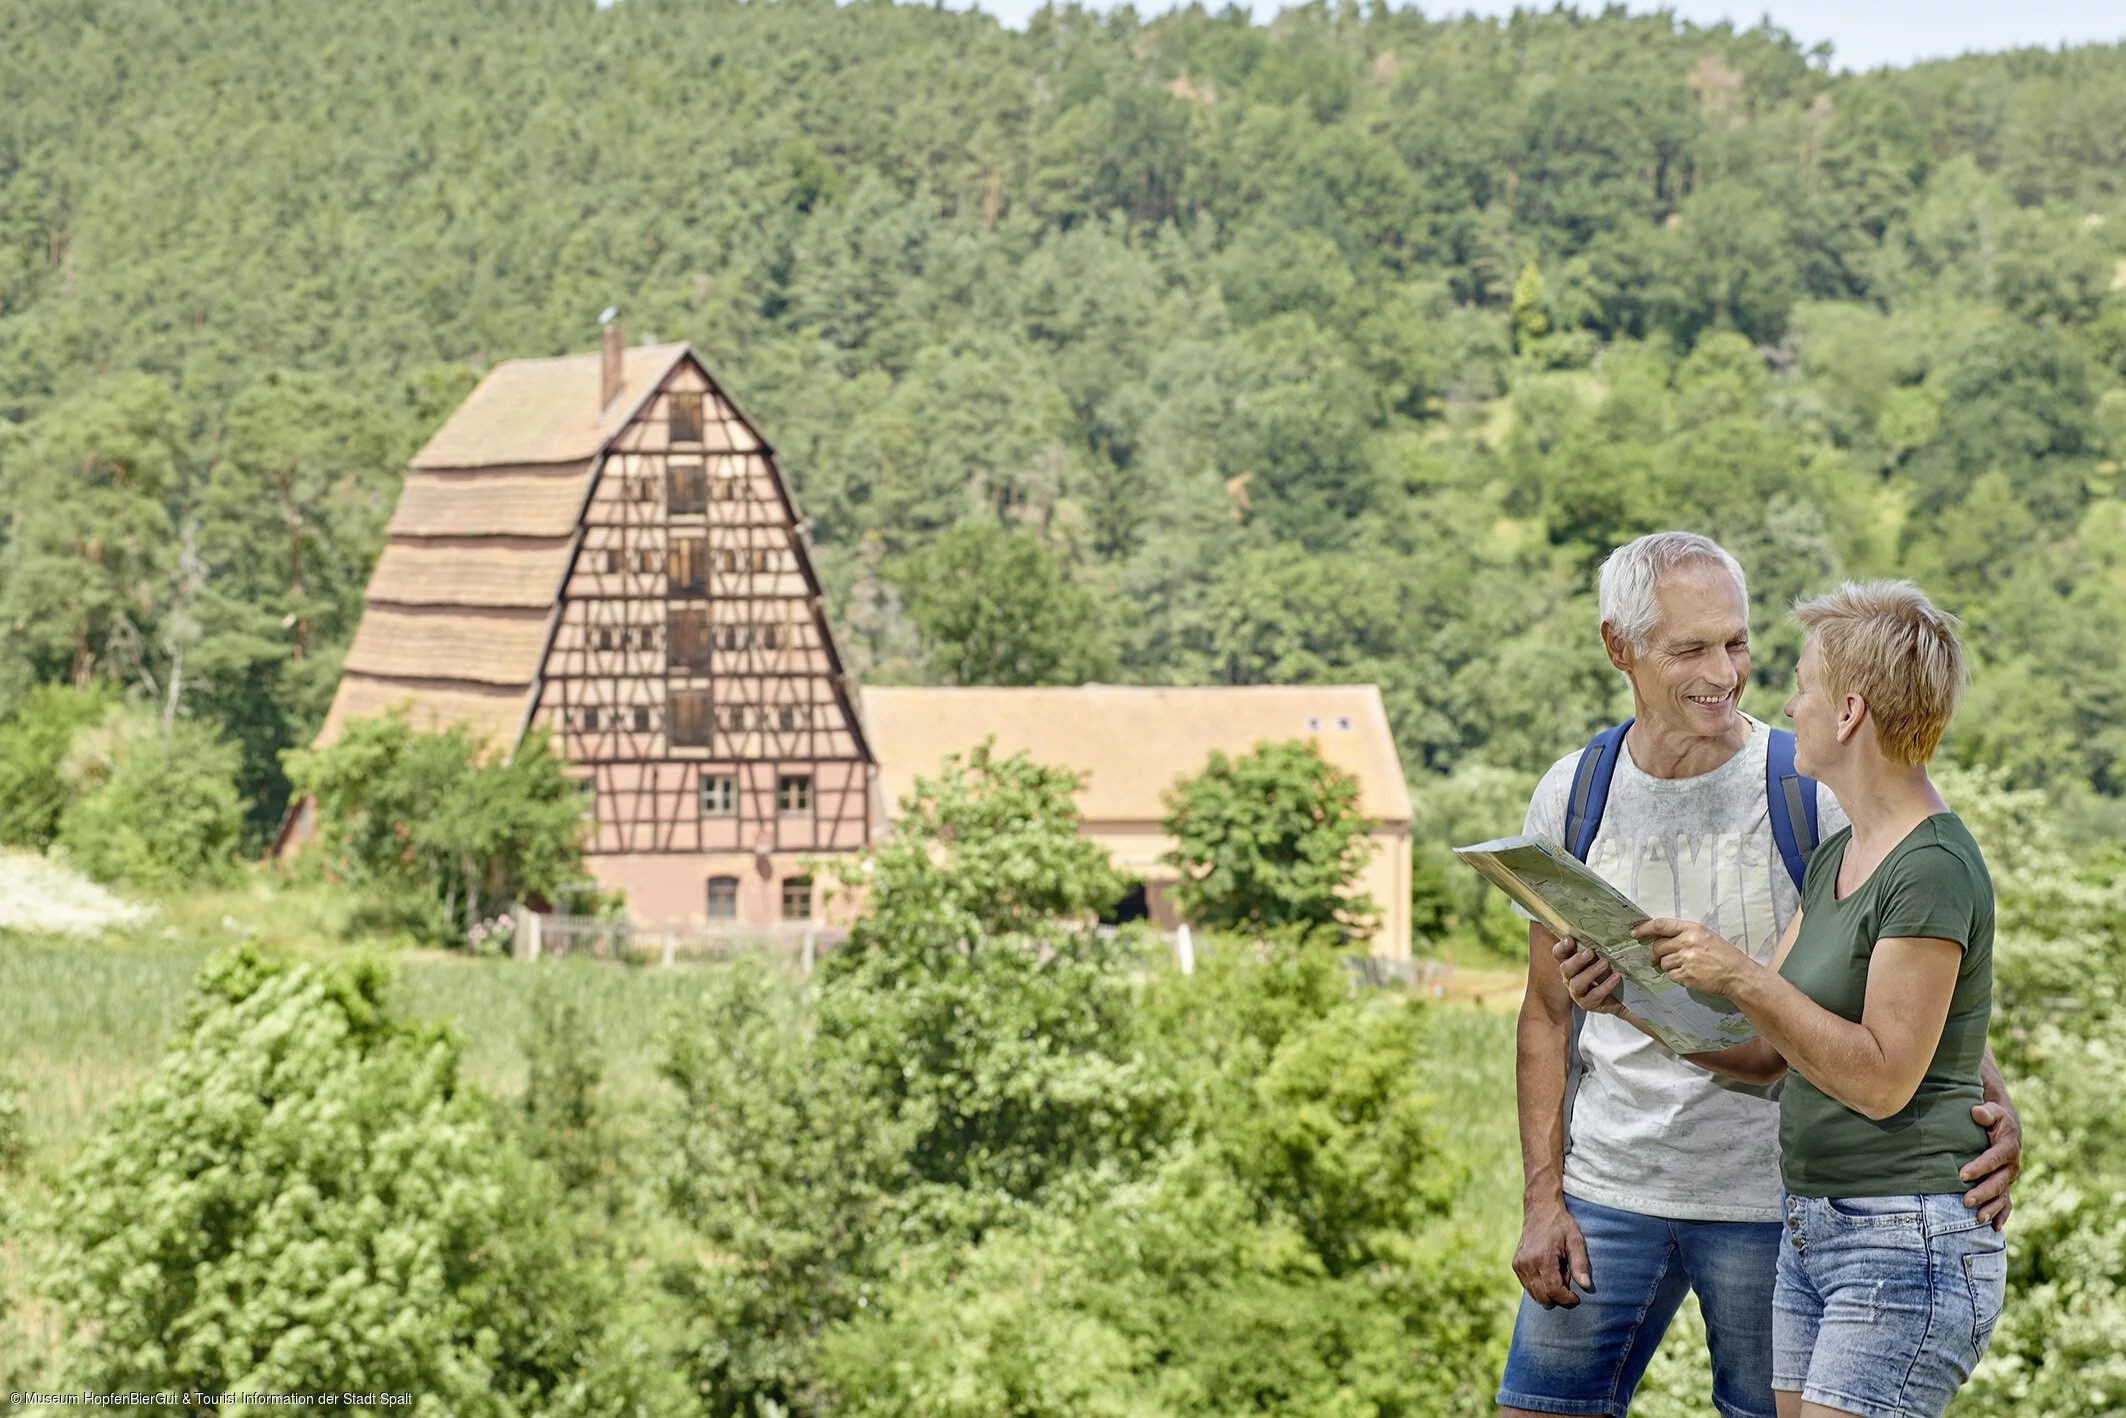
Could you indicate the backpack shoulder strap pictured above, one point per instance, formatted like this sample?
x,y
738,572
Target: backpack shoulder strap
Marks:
x,y
1792,801
1590,789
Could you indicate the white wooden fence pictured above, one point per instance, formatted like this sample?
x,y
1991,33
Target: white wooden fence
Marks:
x,y
796,943
799,944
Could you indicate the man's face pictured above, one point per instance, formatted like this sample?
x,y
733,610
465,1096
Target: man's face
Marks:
x,y
1691,673
1815,717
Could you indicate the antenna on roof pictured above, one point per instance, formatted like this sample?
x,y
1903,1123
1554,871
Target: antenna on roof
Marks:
x,y
612,347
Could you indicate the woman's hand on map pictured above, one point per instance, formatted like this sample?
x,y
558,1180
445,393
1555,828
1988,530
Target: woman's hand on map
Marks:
x,y
1589,979
1693,956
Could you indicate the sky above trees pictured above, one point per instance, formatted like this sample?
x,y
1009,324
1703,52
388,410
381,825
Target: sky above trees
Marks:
x,y
1861,36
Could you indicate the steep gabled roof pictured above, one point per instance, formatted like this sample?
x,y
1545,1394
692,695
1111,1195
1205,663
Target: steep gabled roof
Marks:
x,y
1132,742
529,411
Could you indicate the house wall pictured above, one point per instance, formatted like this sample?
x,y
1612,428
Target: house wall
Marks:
x,y
686,615
671,888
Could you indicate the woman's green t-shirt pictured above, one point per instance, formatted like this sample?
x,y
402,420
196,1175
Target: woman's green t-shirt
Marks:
x,y
1932,884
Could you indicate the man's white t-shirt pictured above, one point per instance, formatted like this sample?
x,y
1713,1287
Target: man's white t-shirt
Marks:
x,y
1651,1133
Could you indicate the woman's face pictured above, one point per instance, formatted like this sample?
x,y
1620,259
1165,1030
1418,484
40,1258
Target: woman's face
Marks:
x,y
1815,717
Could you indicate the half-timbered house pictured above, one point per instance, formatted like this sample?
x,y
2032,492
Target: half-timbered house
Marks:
x,y
602,546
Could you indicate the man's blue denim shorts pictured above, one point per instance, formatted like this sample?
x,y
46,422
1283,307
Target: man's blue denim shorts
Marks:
x,y
1884,1303
1587,1358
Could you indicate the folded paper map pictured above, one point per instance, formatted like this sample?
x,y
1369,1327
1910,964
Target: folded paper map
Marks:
x,y
1558,890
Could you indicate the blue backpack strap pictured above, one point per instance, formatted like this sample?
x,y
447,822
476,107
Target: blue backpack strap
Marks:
x,y
1792,800
1590,789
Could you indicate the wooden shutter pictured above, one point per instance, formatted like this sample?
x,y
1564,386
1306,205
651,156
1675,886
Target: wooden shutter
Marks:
x,y
688,638
689,713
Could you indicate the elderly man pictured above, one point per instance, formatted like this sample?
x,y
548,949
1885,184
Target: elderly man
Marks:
x,y
1647,1177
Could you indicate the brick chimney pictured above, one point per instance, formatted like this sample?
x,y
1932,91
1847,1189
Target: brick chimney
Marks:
x,y
612,349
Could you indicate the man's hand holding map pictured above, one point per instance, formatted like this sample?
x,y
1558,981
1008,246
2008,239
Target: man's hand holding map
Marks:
x,y
1558,890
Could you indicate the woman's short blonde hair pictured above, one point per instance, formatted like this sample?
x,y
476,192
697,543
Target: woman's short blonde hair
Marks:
x,y
1886,642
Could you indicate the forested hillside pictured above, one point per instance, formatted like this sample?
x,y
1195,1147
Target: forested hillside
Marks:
x,y
1337,348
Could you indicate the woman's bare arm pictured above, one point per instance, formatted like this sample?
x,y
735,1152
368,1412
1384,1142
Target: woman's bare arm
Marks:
x,y
1873,1066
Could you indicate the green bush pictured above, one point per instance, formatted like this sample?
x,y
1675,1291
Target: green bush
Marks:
x,y
2059,1013
152,808
303,1198
437,826
1271,840
1001,1162
34,739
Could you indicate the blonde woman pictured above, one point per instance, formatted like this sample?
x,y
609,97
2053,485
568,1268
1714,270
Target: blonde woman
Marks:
x,y
1877,1002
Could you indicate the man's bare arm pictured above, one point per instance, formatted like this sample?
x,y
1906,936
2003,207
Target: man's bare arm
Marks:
x,y
1552,1254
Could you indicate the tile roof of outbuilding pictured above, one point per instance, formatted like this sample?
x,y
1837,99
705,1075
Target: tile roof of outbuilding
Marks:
x,y
1133,741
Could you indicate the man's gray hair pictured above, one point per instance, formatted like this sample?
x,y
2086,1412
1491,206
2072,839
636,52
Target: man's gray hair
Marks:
x,y
1633,570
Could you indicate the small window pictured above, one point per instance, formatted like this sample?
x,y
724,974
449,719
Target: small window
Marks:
x,y
793,795
719,795
587,719
689,486
793,716
642,719
760,558
797,898
686,416
729,490
646,560
689,640
613,561
1313,726
723,898
645,489
733,637
687,563
1344,725
731,718
689,711
726,560
605,637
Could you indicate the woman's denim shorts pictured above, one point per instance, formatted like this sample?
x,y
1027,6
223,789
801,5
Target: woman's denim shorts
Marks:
x,y
1884,1304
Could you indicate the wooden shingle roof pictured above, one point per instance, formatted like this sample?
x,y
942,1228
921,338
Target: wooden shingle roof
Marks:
x,y
500,647
499,502
530,411
465,571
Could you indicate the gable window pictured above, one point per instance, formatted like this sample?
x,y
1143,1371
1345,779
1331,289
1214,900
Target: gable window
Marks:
x,y
689,486
793,716
687,563
723,898
771,637
587,719
797,898
685,409
642,719
605,637
646,560
689,639
719,795
793,795
689,711
613,561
